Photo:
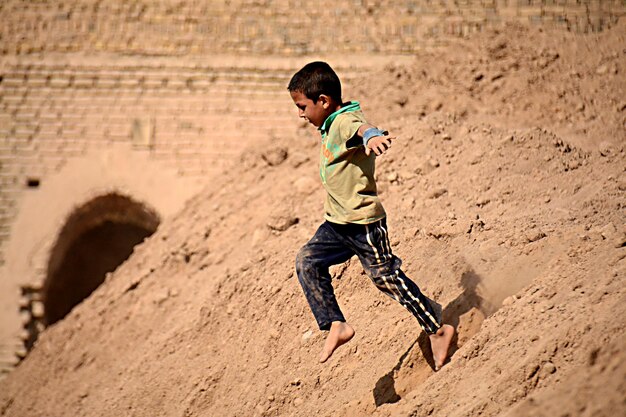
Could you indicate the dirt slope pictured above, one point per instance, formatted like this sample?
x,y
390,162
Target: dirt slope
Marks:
x,y
506,199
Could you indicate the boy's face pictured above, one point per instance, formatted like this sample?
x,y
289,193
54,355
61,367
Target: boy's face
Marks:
x,y
314,113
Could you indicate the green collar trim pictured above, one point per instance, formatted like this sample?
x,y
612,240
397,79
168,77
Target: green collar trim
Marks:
x,y
349,107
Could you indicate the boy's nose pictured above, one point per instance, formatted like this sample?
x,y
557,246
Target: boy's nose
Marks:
x,y
300,113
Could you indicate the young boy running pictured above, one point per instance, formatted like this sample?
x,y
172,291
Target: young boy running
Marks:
x,y
355,219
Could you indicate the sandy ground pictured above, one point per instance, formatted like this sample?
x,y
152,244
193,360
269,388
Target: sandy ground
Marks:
x,y
506,201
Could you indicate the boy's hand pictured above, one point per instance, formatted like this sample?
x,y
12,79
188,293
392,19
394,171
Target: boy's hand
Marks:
x,y
378,144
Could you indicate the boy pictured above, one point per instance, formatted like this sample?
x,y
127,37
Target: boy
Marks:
x,y
355,219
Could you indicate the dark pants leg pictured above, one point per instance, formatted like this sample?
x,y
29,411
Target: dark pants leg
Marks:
x,y
384,268
325,248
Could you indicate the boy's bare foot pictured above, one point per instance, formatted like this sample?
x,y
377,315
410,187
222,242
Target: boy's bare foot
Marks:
x,y
440,343
339,334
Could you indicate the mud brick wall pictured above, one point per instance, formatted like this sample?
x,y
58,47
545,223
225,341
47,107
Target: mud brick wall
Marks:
x,y
167,27
182,116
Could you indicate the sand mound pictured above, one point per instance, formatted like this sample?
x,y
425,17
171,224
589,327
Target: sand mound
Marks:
x,y
506,200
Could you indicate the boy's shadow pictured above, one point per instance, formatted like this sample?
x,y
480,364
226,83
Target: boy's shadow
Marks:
x,y
384,391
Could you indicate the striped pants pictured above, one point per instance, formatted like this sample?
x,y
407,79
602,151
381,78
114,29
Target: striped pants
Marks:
x,y
333,244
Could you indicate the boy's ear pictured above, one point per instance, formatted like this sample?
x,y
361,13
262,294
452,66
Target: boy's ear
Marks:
x,y
325,100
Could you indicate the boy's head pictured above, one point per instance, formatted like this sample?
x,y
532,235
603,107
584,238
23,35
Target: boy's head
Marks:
x,y
316,91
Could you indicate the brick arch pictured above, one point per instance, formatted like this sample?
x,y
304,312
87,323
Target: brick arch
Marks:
x,y
96,238
111,191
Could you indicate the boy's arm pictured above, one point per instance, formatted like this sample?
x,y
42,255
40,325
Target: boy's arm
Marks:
x,y
375,139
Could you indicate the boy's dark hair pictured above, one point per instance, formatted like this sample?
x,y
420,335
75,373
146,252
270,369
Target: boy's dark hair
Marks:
x,y
314,79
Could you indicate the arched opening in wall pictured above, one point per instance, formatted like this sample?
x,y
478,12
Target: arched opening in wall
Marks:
x,y
96,239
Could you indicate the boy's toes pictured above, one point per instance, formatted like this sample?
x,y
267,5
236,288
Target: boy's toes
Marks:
x,y
438,364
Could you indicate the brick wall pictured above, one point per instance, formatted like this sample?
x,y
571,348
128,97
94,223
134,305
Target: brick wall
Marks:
x,y
167,27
